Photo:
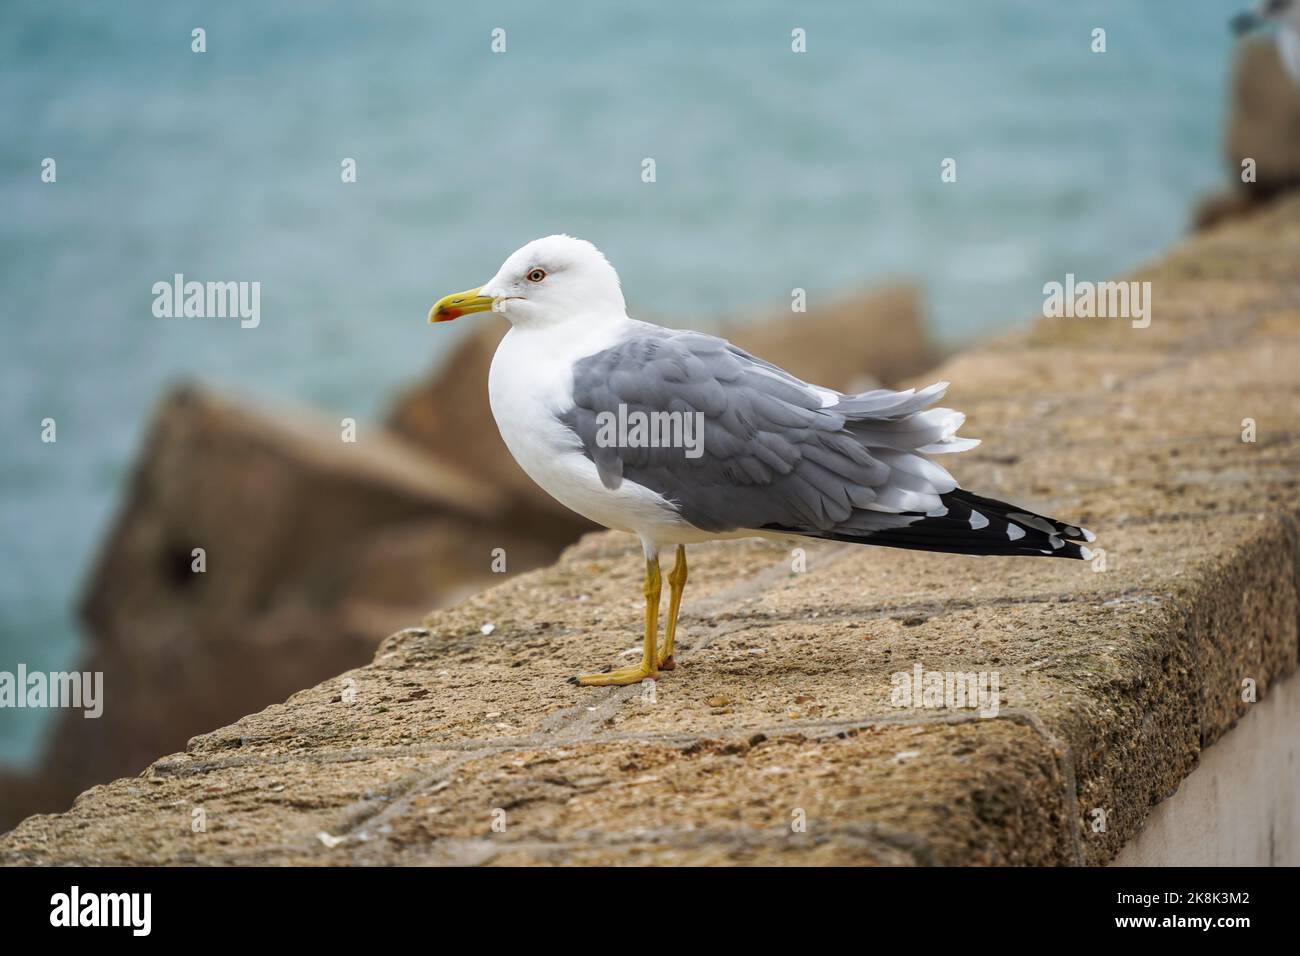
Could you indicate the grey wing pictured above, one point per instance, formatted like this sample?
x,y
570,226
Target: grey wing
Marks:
x,y
771,451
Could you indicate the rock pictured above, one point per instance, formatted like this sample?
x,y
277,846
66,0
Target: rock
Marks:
x,y
1221,207
852,344
272,497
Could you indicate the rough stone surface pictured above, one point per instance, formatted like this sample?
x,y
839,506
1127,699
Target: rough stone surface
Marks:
x,y
776,740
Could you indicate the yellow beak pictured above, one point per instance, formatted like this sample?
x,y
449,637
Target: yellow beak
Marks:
x,y
461,303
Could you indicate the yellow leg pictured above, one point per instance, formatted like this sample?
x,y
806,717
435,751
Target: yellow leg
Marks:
x,y
676,584
649,666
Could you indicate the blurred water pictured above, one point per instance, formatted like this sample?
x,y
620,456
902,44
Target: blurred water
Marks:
x,y
775,170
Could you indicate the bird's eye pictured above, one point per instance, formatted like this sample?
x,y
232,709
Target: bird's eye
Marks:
x,y
537,275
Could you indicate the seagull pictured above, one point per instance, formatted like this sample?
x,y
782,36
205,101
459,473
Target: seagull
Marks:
x,y
1285,15
680,437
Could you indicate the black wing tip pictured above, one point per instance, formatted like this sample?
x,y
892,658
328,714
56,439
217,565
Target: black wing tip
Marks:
x,y
971,525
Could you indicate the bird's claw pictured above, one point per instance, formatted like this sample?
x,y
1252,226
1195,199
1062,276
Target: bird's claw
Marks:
x,y
620,678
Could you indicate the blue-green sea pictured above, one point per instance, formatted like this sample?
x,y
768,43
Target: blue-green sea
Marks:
x,y
773,170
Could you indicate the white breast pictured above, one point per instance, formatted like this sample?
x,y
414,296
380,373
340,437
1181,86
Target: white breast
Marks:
x,y
530,385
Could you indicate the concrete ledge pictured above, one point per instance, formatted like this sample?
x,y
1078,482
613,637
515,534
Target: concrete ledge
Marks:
x,y
777,741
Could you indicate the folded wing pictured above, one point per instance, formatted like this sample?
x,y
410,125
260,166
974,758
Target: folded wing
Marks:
x,y
771,452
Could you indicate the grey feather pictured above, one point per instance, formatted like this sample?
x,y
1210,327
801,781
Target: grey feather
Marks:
x,y
773,456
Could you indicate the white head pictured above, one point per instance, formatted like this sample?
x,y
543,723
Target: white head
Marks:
x,y
1284,14
547,282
